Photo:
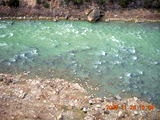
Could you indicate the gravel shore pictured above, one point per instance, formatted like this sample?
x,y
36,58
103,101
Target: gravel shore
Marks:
x,y
57,99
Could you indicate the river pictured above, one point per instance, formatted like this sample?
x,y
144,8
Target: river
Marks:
x,y
118,57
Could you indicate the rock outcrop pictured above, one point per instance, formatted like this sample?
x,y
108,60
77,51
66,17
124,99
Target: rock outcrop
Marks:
x,y
94,15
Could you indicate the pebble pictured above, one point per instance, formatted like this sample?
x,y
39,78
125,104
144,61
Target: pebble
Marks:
x,y
121,114
135,98
91,102
135,113
84,109
98,105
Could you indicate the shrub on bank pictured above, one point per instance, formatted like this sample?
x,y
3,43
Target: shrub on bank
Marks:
x,y
38,1
13,3
46,5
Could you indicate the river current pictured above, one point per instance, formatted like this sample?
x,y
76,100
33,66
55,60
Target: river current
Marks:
x,y
118,57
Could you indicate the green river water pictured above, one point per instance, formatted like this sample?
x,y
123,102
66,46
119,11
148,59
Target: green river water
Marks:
x,y
116,56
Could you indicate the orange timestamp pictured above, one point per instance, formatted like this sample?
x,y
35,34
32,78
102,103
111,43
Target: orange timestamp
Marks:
x,y
130,107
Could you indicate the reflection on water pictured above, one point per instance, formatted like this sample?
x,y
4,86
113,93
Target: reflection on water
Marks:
x,y
122,58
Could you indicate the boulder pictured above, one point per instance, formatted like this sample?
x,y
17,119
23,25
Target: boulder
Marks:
x,y
31,3
94,15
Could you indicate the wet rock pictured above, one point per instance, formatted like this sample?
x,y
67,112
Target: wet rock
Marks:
x,y
94,15
118,97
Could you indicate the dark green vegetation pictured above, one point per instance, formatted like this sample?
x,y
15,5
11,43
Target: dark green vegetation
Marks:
x,y
11,3
122,3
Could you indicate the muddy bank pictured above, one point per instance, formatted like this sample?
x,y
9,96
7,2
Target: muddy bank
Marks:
x,y
62,13
57,99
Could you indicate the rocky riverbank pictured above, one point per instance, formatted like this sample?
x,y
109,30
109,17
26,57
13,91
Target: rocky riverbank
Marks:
x,y
88,14
57,99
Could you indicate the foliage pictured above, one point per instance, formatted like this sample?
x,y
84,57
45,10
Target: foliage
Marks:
x,y
78,1
124,3
13,3
102,1
46,5
74,1
38,1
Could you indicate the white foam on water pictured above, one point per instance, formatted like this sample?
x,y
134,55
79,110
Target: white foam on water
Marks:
x,y
3,44
34,52
132,50
103,53
77,32
134,58
59,33
2,26
139,35
140,72
95,66
8,63
114,39
98,63
66,43
128,75
12,59
116,62
3,36
72,54
155,62
10,35
45,28
22,55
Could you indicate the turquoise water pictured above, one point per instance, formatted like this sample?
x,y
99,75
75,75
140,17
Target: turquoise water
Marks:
x,y
120,58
